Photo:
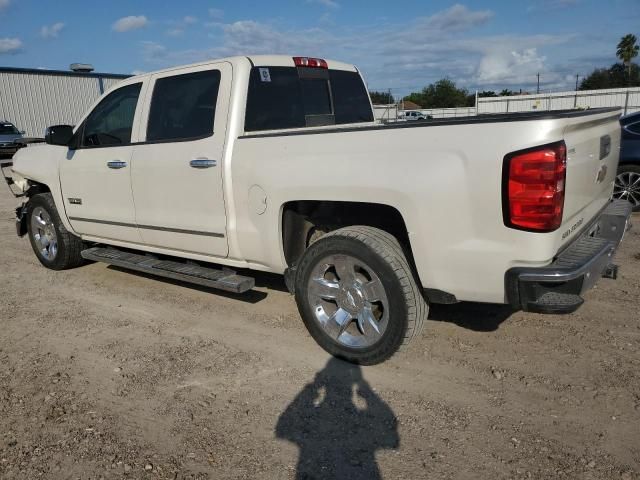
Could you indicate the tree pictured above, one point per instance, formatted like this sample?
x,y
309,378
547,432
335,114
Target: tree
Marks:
x,y
416,98
442,94
381,98
505,92
616,76
487,93
627,50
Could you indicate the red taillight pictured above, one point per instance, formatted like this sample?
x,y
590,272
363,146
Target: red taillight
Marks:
x,y
310,62
533,188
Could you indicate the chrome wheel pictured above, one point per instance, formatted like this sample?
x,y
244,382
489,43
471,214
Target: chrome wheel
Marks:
x,y
627,187
44,233
348,300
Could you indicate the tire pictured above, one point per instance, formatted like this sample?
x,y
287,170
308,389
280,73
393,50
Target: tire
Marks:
x,y
44,226
382,298
627,185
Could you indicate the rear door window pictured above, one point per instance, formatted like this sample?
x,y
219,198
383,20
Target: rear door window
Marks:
x,y
183,106
289,97
350,97
274,99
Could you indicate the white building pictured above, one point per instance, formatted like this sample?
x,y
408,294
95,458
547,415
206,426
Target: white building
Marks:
x,y
33,99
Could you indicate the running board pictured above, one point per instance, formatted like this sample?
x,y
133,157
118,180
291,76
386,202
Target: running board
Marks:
x,y
221,279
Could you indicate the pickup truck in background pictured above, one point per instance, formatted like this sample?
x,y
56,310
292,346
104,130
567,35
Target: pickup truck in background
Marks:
x,y
275,163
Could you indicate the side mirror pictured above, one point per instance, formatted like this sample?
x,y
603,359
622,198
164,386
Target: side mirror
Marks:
x,y
59,135
22,132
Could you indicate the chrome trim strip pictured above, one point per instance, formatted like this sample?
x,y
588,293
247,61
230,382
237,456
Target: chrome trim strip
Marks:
x,y
148,227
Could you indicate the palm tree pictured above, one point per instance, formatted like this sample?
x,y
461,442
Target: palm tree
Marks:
x,y
627,50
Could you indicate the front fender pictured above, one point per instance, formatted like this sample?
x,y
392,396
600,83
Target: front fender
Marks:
x,y
40,164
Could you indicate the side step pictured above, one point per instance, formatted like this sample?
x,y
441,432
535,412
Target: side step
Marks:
x,y
226,280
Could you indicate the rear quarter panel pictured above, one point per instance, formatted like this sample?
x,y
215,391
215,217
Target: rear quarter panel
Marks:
x,y
444,180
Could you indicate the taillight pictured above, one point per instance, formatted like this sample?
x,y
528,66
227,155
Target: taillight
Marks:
x,y
533,188
310,62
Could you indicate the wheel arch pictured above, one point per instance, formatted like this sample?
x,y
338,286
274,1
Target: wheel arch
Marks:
x,y
303,221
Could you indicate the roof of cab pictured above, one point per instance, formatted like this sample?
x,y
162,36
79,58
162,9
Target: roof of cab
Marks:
x,y
257,61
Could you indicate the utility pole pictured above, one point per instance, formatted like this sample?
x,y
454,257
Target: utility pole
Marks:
x,y
577,75
538,87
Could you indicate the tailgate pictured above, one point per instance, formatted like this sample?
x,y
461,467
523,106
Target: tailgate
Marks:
x,y
593,150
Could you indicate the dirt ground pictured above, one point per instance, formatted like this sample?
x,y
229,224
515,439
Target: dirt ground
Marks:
x,y
109,374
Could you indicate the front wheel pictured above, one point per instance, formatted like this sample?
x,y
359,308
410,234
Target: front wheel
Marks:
x,y
627,185
52,243
357,295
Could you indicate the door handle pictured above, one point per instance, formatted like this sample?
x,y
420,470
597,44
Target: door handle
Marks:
x,y
116,164
203,163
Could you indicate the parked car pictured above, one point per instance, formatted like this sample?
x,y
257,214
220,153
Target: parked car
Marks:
x,y
8,136
414,115
627,185
275,163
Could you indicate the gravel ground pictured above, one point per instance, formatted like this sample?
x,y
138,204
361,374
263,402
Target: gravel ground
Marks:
x,y
109,374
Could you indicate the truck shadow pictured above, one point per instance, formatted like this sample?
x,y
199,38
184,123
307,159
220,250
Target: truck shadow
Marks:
x,y
338,423
479,317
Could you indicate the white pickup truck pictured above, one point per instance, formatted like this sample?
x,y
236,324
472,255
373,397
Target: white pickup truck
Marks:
x,y
275,163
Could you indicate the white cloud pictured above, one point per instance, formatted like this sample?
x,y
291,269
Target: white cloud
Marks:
x,y
504,66
152,51
404,56
4,4
132,22
51,31
250,36
547,5
10,45
325,3
456,17
216,13
178,27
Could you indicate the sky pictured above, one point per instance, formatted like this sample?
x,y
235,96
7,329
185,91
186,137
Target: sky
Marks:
x,y
402,45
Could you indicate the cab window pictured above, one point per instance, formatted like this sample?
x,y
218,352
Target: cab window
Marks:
x,y
111,122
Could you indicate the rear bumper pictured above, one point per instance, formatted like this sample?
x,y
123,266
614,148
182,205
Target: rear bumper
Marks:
x,y
558,287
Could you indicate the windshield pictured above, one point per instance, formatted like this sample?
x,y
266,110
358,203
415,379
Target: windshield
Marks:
x,y
8,129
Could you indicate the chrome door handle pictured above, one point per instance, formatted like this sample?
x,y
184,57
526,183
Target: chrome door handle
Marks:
x,y
116,164
203,163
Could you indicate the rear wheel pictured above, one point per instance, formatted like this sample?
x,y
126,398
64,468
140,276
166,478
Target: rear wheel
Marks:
x,y
52,243
627,185
357,295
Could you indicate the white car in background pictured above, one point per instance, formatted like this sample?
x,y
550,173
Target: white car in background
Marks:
x,y
413,115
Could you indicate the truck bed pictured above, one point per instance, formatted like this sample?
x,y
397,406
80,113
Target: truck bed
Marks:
x,y
446,182
467,120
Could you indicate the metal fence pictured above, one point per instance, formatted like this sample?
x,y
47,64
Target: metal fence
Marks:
x,y
626,98
390,113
